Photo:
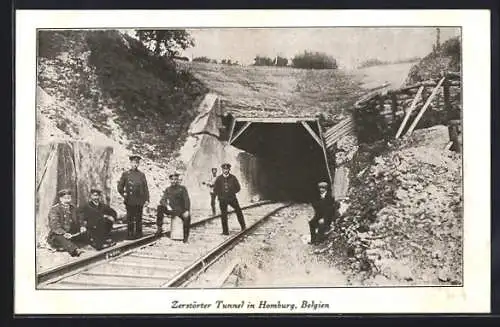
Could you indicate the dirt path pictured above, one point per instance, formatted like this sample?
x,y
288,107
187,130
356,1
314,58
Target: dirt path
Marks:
x,y
276,255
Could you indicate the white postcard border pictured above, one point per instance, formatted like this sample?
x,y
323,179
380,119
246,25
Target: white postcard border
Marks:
x,y
474,296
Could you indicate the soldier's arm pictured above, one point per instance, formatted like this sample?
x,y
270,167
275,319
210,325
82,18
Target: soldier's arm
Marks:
x,y
54,223
237,186
121,184
163,200
146,189
187,201
109,211
80,216
217,186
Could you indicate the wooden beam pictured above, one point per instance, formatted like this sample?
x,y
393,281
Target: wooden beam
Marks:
x,y
409,111
325,155
424,108
247,124
315,137
277,120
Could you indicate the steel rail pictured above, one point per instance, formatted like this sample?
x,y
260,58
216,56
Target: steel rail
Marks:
x,y
216,253
118,250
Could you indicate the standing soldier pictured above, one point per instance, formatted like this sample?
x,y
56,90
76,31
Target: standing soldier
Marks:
x,y
210,183
133,187
64,224
98,218
225,188
175,201
324,213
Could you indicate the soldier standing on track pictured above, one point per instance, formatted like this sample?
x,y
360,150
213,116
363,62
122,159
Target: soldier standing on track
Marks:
x,y
225,188
99,219
64,225
210,183
133,187
324,213
175,201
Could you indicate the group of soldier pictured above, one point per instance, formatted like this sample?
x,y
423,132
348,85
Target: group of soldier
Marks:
x,y
92,222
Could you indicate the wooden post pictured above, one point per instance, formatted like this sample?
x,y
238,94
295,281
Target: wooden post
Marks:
x,y
409,111
424,108
446,97
394,108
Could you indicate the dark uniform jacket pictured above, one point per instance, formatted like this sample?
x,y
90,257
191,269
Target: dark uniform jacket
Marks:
x,y
226,187
325,208
91,214
63,219
133,187
178,198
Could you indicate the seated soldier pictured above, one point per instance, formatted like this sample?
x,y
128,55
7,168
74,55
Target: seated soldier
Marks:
x,y
324,214
98,218
64,225
175,202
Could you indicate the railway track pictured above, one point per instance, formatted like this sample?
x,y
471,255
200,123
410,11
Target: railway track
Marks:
x,y
158,262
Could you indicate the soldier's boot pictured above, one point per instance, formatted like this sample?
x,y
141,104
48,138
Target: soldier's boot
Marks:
x,y
186,233
130,230
159,223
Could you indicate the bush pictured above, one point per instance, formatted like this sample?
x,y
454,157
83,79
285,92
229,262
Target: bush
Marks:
x,y
263,61
203,59
314,60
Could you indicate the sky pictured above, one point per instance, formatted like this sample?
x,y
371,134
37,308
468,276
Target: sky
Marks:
x,y
349,45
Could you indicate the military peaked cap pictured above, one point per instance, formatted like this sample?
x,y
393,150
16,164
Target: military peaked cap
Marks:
x,y
134,157
226,166
64,192
173,174
95,190
322,184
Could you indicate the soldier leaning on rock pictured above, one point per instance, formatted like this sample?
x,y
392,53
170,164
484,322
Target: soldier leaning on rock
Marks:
x,y
325,209
133,187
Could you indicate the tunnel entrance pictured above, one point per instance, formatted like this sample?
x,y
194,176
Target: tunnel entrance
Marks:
x,y
291,154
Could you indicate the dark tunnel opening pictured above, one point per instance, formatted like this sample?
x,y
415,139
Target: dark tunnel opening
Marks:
x,y
291,162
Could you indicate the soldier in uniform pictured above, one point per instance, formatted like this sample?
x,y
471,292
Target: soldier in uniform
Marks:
x,y
133,187
210,183
64,225
324,213
175,201
98,218
225,188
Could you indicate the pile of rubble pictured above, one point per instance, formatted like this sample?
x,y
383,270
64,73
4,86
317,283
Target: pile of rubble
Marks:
x,y
404,223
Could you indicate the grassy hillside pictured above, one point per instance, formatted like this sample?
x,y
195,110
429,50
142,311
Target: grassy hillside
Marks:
x,y
111,79
277,91
447,57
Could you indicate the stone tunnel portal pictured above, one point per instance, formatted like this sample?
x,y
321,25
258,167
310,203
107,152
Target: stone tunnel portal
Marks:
x,y
291,156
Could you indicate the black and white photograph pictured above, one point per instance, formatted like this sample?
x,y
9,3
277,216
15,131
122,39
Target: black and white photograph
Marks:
x,y
261,158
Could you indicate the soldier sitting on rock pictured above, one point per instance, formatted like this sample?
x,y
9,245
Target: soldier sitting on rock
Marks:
x,y
64,225
98,218
174,202
324,214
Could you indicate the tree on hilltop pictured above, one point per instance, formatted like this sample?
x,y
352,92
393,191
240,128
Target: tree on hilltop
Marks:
x,y
165,42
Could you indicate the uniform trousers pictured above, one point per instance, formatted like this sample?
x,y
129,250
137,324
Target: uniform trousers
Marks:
x,y
318,229
59,241
223,203
134,220
99,232
186,221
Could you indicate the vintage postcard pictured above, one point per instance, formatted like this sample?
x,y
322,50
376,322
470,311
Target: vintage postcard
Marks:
x,y
244,162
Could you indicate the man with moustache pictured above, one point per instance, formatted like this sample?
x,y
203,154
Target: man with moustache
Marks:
x,y
98,218
226,187
324,213
133,187
64,224
175,202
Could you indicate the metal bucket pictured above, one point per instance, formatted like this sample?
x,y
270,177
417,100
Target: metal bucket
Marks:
x,y
176,228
